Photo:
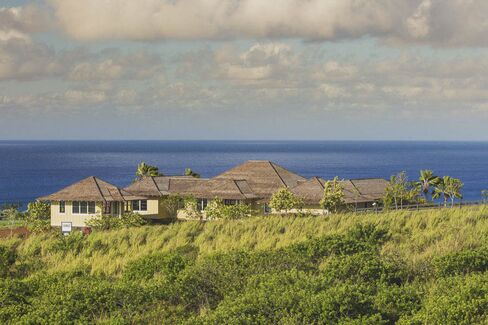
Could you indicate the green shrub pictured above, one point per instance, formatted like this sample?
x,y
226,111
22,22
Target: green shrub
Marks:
x,y
454,300
109,222
72,243
39,210
475,260
14,299
7,260
216,209
169,265
363,267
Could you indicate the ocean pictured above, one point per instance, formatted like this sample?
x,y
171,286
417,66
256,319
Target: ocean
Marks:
x,y
29,169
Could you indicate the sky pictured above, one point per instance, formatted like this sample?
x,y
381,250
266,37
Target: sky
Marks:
x,y
244,69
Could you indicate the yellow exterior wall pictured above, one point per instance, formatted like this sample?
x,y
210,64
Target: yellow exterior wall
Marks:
x,y
77,220
154,209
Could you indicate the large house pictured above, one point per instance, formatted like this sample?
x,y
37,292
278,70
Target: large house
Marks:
x,y
253,183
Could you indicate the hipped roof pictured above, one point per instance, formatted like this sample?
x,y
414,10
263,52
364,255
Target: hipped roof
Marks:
x,y
91,189
164,185
224,189
263,177
355,190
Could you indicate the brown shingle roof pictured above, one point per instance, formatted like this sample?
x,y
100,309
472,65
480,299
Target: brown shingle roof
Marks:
x,y
263,177
355,190
223,189
164,185
91,189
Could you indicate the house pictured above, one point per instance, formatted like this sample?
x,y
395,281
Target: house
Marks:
x,y
358,193
253,183
156,188
90,197
264,177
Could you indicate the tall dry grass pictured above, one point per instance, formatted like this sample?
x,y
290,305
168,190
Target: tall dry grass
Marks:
x,y
417,236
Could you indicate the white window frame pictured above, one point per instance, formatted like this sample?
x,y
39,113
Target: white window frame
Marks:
x,y
87,207
202,204
139,206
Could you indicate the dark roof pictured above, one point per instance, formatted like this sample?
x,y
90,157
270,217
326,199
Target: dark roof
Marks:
x,y
224,189
164,185
91,189
263,177
355,190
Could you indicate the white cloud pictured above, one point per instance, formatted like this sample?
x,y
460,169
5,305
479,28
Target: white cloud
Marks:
x,y
437,22
20,22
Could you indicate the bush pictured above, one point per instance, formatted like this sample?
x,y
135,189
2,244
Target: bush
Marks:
x,y
454,300
14,299
38,217
7,260
463,262
72,243
216,209
109,222
169,265
39,210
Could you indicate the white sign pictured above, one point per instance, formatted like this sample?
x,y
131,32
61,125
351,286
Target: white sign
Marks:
x,y
66,227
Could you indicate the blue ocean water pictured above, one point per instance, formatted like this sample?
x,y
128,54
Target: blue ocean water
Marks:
x,y
29,169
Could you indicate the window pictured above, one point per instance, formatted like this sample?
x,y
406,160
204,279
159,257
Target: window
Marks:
x,y
231,202
83,207
201,204
62,207
139,205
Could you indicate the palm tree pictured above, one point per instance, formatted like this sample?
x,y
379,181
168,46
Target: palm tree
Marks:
x,y
190,172
427,180
440,191
453,188
145,170
448,188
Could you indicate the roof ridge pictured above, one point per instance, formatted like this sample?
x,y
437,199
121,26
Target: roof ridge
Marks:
x,y
274,168
317,178
157,187
355,187
99,189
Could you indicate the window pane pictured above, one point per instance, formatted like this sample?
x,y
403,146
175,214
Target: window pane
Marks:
x,y
135,205
91,207
143,205
62,207
76,207
83,207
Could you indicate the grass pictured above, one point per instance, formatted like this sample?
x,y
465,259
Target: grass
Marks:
x,y
10,224
416,236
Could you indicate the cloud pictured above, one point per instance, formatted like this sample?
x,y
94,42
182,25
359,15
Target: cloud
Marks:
x,y
20,22
21,60
435,22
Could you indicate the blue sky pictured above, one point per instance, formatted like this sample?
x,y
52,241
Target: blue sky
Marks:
x,y
244,69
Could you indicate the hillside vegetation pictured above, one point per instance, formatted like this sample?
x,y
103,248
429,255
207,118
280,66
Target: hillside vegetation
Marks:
x,y
407,267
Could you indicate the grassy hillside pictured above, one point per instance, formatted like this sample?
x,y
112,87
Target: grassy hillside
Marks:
x,y
407,267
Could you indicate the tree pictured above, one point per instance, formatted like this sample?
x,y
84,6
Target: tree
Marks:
x,y
171,204
427,182
216,209
38,216
190,172
333,199
396,190
449,189
145,170
285,200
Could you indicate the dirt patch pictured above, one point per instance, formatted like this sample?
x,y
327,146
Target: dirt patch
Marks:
x,y
17,232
